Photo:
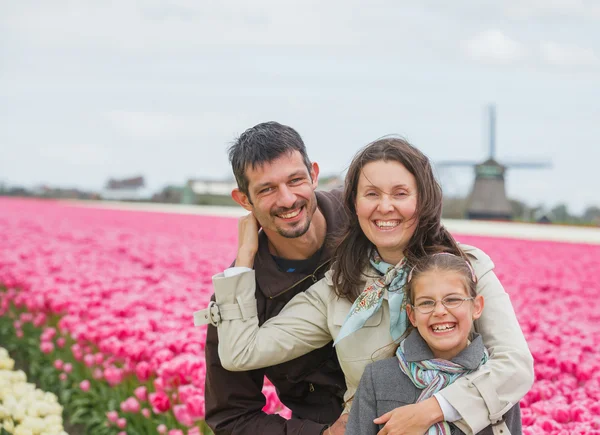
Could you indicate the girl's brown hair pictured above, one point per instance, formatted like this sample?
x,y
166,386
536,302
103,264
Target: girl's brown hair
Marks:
x,y
430,236
442,263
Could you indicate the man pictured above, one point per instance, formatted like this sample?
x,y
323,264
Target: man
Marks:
x,y
276,184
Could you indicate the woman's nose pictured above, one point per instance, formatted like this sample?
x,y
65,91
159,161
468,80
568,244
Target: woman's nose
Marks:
x,y
385,204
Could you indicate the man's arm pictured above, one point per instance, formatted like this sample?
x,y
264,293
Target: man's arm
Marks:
x,y
234,401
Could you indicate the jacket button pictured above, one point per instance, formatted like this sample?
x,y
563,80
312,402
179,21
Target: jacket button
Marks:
x,y
311,387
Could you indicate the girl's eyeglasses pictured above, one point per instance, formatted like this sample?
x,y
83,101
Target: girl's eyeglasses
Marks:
x,y
427,306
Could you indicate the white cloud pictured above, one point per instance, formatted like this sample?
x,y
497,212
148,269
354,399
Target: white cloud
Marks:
x,y
535,8
82,154
493,46
566,55
149,125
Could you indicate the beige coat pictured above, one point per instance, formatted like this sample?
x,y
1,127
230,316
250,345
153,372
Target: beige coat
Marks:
x,y
313,318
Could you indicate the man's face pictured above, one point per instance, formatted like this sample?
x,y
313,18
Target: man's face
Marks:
x,y
282,195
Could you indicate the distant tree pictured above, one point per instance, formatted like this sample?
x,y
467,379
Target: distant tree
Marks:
x,y
520,210
454,208
561,213
591,214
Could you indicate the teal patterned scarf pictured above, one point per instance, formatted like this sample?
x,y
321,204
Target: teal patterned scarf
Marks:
x,y
431,376
370,300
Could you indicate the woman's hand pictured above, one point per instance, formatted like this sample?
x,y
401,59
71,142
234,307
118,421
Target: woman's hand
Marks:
x,y
247,241
411,419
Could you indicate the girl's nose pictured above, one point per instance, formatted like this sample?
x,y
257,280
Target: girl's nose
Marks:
x,y
439,309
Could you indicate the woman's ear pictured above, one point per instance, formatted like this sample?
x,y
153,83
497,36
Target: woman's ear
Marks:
x,y
477,307
411,315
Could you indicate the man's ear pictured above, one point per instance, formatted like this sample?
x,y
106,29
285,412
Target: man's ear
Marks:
x,y
314,174
242,199
411,315
477,307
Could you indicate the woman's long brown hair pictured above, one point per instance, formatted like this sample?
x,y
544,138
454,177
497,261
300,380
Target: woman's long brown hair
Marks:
x,y
430,236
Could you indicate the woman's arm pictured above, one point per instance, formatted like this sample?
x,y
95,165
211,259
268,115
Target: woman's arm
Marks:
x,y
299,328
364,408
509,371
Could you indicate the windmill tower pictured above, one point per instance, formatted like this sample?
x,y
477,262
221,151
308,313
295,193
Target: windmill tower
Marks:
x,y
488,199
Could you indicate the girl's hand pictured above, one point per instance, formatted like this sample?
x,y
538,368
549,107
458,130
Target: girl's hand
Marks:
x,y
411,419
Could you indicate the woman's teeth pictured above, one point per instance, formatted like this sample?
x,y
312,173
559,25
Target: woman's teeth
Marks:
x,y
387,224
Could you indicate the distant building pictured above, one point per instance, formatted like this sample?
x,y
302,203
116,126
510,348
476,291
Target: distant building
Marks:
x,y
199,191
127,189
169,195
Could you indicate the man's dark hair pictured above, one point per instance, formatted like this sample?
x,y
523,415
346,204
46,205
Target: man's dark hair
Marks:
x,y
261,144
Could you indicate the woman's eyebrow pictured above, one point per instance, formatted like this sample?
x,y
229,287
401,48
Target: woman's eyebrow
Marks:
x,y
397,186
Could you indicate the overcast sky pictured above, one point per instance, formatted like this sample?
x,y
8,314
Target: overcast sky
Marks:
x,y
161,87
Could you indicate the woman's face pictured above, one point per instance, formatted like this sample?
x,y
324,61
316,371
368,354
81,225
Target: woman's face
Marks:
x,y
445,330
386,202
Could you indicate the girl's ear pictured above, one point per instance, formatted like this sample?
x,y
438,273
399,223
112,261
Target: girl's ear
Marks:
x,y
411,315
477,307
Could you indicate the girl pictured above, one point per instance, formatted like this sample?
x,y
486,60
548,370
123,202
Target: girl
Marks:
x,y
394,206
440,347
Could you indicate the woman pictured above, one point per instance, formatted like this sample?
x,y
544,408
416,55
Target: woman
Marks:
x,y
394,206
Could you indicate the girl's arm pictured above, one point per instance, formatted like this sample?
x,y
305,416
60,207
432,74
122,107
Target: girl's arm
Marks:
x,y
364,407
298,329
508,374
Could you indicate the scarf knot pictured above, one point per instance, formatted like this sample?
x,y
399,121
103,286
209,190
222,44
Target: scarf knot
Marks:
x,y
370,300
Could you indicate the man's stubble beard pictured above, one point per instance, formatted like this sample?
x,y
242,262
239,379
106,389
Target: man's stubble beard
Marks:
x,y
299,232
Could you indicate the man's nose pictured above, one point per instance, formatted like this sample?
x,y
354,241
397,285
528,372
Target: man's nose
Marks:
x,y
286,197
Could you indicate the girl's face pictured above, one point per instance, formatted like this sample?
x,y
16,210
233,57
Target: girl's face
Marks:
x,y
445,330
386,201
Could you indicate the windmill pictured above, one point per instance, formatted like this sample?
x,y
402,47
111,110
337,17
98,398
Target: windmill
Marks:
x,y
487,199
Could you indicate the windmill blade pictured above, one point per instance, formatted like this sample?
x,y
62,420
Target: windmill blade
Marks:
x,y
529,165
456,163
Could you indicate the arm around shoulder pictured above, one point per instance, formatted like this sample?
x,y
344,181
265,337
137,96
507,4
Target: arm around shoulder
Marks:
x,y
508,373
299,328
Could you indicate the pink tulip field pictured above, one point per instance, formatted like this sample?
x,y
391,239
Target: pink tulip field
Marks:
x,y
97,305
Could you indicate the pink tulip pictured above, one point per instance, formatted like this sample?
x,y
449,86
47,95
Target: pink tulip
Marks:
x,y
141,393
60,342
68,368
145,412
62,377
89,360
160,402
161,429
58,364
142,371
112,416
121,423
84,385
176,432
46,346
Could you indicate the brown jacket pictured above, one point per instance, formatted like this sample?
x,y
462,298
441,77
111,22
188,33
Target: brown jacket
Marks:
x,y
312,386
